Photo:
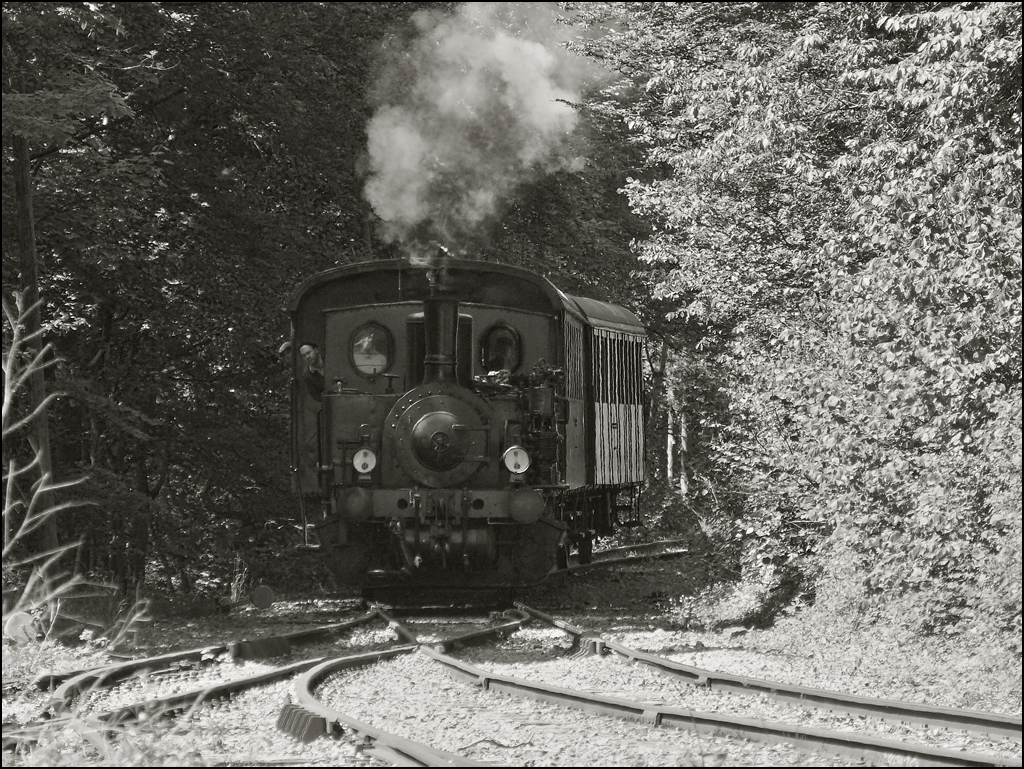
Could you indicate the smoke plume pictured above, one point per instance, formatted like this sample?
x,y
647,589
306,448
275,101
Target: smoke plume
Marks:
x,y
469,107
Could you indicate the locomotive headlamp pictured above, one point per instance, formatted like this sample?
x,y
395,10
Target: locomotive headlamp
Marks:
x,y
364,461
516,459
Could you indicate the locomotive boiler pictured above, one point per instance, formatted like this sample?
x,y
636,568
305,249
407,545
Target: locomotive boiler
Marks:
x,y
457,423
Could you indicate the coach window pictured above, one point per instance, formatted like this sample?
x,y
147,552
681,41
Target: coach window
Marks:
x,y
501,350
372,349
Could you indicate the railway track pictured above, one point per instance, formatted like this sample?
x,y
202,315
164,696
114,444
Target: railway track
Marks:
x,y
892,711
625,555
171,684
310,717
68,686
71,685
84,697
414,651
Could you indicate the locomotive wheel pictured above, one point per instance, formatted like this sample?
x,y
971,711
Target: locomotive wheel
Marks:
x,y
562,558
531,555
347,561
348,564
586,549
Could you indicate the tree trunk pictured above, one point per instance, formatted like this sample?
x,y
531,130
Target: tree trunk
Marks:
x,y
33,323
653,415
684,450
670,445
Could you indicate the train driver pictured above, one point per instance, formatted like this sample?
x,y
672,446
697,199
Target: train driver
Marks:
x,y
503,355
313,376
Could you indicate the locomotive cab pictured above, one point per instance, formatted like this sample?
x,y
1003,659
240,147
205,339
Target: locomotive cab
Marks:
x,y
450,445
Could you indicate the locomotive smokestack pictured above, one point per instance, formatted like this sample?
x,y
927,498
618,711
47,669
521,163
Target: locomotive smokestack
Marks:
x,y
440,319
441,324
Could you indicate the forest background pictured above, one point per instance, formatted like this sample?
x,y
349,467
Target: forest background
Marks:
x,y
815,208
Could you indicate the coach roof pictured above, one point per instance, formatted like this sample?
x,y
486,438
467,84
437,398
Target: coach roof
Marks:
x,y
595,313
611,316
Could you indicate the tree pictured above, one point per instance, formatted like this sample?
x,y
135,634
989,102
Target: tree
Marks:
x,y
227,172
837,212
43,105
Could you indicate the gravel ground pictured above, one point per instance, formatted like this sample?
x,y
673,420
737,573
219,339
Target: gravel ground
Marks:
x,y
245,623
415,698
612,676
239,732
244,730
636,606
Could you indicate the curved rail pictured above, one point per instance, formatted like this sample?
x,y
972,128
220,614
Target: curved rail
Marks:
x,y
81,681
482,636
74,683
182,701
161,706
645,550
256,649
992,724
610,558
842,743
307,718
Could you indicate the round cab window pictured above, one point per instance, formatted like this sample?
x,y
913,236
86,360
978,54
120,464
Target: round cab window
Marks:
x,y
371,350
500,350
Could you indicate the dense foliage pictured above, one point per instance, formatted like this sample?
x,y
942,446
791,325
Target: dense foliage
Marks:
x,y
822,202
201,162
836,196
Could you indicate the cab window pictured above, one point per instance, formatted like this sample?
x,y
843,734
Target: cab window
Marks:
x,y
500,350
372,349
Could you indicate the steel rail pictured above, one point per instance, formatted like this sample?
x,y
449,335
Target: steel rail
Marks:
x,y
893,711
841,743
245,649
111,675
307,718
475,637
648,549
626,560
400,630
155,707
77,682
184,701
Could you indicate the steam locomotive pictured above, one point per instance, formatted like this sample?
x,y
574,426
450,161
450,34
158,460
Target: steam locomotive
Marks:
x,y
457,423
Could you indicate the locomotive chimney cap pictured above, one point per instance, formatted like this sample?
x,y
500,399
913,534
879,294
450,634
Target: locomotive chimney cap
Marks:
x,y
437,271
